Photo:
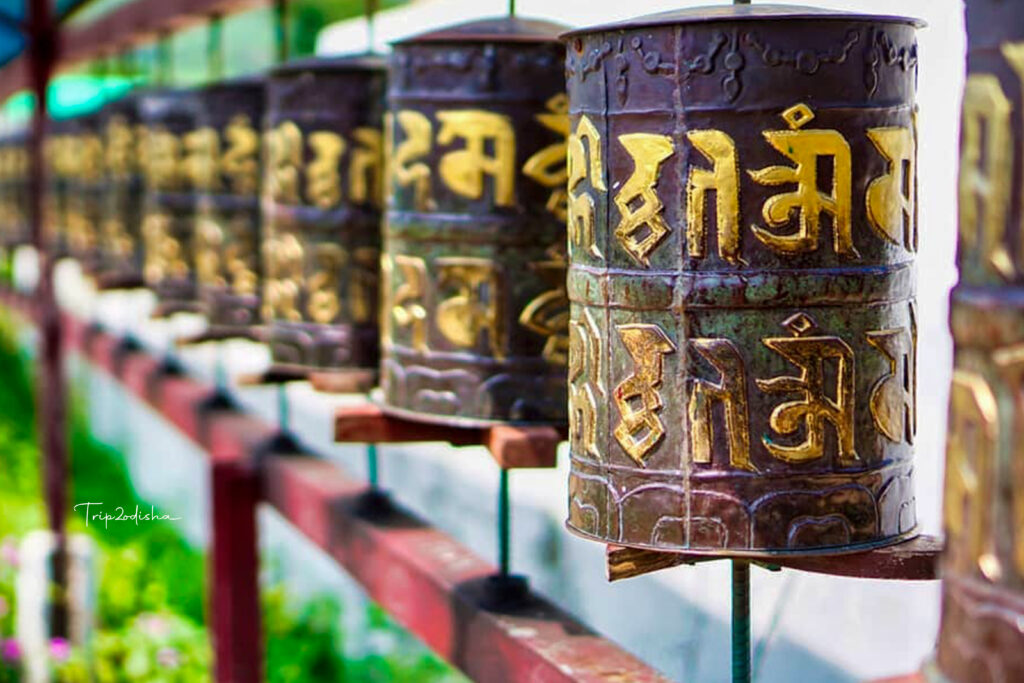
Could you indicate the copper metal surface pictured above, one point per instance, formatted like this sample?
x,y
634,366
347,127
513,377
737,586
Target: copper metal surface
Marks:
x,y
169,200
981,638
474,307
742,232
227,231
120,236
322,210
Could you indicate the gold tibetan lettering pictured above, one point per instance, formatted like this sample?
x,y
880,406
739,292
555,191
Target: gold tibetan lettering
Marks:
x,y
120,146
209,239
417,132
819,404
547,314
986,166
581,205
362,284
202,158
163,156
366,168
476,305
1014,55
164,257
806,148
970,458
240,161
406,307
641,227
585,384
324,303
284,156
463,170
893,401
724,179
323,179
548,166
640,429
1010,366
890,198
731,393
285,260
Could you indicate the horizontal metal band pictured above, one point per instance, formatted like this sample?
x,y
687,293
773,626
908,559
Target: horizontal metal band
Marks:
x,y
466,228
987,317
666,290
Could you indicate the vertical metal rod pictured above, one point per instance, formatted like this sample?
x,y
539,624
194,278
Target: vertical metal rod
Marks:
x,y
282,408
220,371
741,621
281,30
164,67
504,523
373,473
371,12
215,48
42,41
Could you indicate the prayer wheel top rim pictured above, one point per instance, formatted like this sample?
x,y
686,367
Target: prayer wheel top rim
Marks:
x,y
354,62
254,81
491,30
752,12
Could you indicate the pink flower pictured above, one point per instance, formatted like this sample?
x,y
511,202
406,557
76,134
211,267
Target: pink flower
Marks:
x,y
168,658
10,650
60,649
9,551
153,625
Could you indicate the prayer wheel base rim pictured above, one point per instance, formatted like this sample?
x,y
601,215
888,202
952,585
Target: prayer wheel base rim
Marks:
x,y
756,553
377,398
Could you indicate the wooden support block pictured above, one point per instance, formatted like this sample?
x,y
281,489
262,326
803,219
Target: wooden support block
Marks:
x,y
106,282
216,334
510,446
354,381
913,560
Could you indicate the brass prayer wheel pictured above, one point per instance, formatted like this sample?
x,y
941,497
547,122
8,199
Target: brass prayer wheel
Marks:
x,y
742,233
321,213
14,222
474,306
84,166
120,238
224,154
167,116
981,639
60,169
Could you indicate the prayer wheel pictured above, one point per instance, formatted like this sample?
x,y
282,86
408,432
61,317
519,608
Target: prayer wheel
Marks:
x,y
120,240
742,234
321,211
226,149
84,191
60,164
167,117
474,306
14,224
981,638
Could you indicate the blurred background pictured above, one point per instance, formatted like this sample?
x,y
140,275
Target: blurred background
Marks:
x,y
147,585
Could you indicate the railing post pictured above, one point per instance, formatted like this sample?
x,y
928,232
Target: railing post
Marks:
x,y
234,585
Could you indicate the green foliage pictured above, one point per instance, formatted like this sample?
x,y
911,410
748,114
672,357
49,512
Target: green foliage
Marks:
x,y
151,588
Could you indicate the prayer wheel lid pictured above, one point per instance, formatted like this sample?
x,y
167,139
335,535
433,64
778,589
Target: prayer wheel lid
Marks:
x,y
708,13
239,82
492,30
355,62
